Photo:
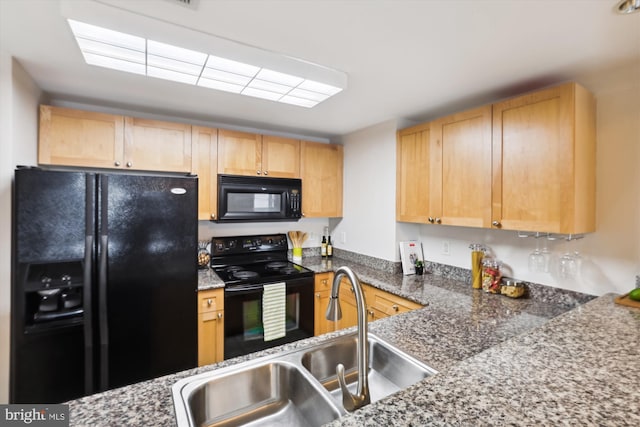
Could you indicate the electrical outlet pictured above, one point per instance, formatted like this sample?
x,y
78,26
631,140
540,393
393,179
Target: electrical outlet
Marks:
x,y
445,248
343,237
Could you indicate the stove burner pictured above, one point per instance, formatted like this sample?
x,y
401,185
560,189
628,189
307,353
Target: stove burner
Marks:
x,y
276,265
233,268
244,274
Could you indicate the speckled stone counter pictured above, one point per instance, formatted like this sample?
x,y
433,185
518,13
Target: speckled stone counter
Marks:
x,y
501,361
207,279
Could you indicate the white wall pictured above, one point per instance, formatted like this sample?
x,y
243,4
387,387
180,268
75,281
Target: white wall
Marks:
x,y
610,256
369,193
18,142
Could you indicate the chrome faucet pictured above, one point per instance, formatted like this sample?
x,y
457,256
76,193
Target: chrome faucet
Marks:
x,y
362,397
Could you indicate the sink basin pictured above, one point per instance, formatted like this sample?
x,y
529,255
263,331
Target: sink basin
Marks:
x,y
271,393
295,388
390,370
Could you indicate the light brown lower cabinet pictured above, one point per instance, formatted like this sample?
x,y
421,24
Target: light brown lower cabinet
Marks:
x,y
379,303
210,326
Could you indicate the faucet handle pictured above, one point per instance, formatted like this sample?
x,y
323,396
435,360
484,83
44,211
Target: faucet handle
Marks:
x,y
349,401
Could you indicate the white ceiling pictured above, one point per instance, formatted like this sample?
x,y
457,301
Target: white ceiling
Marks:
x,y
404,59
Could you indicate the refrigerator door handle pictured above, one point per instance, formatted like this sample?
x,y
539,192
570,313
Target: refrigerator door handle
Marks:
x,y
88,328
102,314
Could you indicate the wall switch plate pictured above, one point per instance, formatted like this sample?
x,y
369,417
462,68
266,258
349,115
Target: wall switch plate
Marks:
x,y
445,248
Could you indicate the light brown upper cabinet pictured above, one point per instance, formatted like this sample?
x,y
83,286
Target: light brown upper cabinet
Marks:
x,y
280,157
461,169
71,137
321,172
412,174
205,165
526,163
157,145
544,148
444,170
242,153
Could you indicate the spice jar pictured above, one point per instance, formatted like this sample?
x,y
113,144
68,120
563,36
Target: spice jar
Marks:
x,y
491,275
477,254
512,288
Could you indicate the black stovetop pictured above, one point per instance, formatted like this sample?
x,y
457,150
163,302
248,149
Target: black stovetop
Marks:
x,y
254,259
259,272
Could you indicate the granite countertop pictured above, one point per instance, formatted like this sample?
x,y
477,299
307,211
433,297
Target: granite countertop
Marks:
x,y
501,361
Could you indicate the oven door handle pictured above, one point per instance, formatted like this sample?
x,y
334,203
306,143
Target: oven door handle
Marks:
x,y
237,289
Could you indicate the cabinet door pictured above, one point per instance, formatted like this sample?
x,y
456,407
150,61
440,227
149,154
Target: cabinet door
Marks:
x,y
321,172
280,157
80,138
544,161
157,146
461,188
210,326
412,175
210,338
205,165
347,305
239,153
322,289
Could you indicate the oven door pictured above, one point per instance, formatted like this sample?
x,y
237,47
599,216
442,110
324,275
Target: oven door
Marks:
x,y
243,331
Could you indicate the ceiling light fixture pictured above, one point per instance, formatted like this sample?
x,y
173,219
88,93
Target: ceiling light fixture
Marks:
x,y
107,48
628,6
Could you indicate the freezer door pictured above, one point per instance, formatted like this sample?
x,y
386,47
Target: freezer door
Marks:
x,y
51,360
148,226
50,209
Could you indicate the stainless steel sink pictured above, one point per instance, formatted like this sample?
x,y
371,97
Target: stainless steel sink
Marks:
x,y
390,370
295,388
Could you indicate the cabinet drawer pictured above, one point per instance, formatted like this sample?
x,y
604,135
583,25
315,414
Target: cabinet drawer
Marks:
x,y
323,281
387,303
210,300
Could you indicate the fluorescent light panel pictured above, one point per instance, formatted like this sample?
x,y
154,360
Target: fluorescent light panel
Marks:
x,y
124,52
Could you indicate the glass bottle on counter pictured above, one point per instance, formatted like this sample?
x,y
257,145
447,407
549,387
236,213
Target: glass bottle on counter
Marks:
x,y
477,254
323,246
329,248
491,276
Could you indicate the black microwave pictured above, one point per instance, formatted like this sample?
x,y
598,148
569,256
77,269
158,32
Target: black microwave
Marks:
x,y
252,199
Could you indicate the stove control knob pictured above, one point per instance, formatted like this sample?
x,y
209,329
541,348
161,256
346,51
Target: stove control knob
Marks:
x,y
219,246
46,280
258,242
65,278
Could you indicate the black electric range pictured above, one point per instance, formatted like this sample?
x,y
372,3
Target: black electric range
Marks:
x,y
247,265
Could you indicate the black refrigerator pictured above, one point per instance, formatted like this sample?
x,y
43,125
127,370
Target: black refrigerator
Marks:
x,y
104,281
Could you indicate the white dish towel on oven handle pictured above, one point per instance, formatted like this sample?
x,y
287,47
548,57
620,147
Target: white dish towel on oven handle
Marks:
x,y
274,306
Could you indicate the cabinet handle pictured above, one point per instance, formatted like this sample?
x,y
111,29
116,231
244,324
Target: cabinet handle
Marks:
x,y
395,307
431,219
257,172
496,224
438,221
209,302
129,164
325,281
117,163
353,290
219,315
213,216
318,296
266,173
371,313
